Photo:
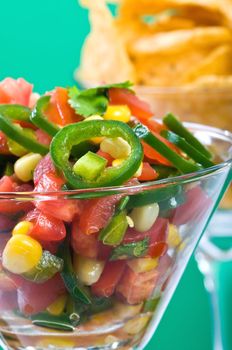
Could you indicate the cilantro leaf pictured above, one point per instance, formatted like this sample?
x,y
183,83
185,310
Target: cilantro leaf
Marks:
x,y
92,101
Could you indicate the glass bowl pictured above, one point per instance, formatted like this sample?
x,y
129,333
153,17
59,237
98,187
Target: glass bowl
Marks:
x,y
128,286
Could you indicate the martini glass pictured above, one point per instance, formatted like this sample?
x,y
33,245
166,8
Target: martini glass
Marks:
x,y
143,291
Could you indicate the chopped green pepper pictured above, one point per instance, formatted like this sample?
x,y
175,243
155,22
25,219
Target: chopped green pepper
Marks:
x,y
176,126
191,151
180,163
114,232
16,133
74,134
38,118
130,250
90,166
47,267
164,171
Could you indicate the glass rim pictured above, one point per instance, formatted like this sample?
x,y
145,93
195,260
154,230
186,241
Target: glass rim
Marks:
x,y
134,188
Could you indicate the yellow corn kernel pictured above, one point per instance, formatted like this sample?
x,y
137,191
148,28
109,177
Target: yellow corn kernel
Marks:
x,y
25,166
88,270
139,171
120,113
117,147
21,254
143,264
57,307
174,238
136,325
130,221
144,217
117,162
96,140
126,311
22,228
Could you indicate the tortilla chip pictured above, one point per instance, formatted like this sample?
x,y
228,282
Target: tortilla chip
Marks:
x,y
220,10
104,57
219,62
179,40
166,69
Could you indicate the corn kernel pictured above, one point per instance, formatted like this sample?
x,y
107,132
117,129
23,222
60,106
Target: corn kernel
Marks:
x,y
136,325
139,171
174,238
130,221
96,140
143,264
88,270
57,307
126,311
117,147
144,217
117,162
21,254
25,166
22,228
120,113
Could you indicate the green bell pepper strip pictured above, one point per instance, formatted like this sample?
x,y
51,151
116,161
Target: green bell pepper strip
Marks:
x,y
15,112
164,171
73,285
130,250
74,134
177,127
38,118
61,322
180,163
191,151
15,132
153,196
114,232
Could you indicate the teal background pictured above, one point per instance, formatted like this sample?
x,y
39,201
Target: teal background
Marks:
x,y
41,41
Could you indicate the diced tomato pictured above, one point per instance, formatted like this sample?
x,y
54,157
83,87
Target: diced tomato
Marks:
x,y
96,213
18,91
63,209
7,184
8,300
136,287
4,238
43,137
43,167
139,108
4,149
109,278
46,228
4,98
34,298
59,111
155,126
107,156
6,224
157,236
6,282
88,245
148,173
151,154
196,204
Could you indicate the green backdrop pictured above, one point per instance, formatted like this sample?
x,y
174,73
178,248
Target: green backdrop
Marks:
x,y
41,41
